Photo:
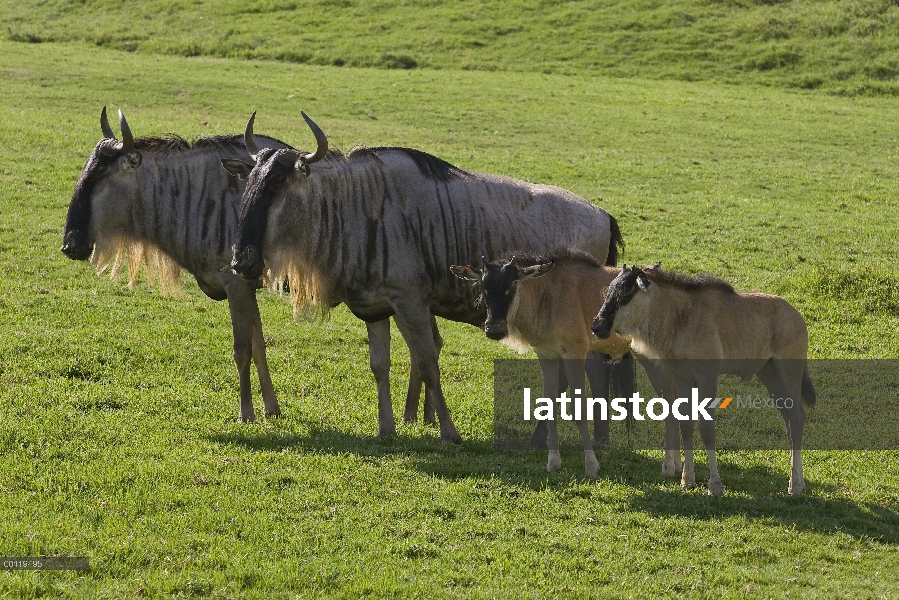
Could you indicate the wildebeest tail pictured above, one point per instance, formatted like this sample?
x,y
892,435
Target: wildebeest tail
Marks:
x,y
808,388
615,242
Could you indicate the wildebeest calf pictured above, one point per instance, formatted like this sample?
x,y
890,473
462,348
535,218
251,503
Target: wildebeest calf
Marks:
x,y
697,328
548,303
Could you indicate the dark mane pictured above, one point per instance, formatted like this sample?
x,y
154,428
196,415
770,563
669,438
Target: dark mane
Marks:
x,y
690,283
428,165
527,259
170,143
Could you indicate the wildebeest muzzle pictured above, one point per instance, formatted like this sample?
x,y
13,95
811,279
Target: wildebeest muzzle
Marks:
x,y
496,330
602,328
75,246
248,262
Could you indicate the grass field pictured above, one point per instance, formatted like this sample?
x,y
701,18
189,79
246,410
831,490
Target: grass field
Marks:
x,y
849,48
118,431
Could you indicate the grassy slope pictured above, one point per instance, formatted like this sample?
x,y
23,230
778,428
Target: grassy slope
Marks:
x,y
117,418
847,47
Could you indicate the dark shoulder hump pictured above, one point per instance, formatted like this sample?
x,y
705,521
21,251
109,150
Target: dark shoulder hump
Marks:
x,y
428,165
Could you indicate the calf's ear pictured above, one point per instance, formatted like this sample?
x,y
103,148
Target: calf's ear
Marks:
x,y
237,168
465,272
643,282
536,270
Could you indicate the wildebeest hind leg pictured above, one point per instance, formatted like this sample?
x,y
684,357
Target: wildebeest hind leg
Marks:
x,y
778,377
413,395
708,386
379,361
414,321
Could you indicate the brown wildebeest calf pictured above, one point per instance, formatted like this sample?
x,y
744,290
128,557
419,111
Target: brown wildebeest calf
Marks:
x,y
548,303
694,329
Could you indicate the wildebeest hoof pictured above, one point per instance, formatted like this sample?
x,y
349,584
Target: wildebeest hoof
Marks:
x,y
715,488
591,471
688,481
386,433
456,439
796,489
273,415
669,470
554,462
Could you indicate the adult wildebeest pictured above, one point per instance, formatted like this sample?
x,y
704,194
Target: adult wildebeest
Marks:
x,y
169,202
548,303
697,328
377,228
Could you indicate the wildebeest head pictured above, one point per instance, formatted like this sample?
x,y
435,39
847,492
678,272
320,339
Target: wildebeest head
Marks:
x,y
622,290
499,284
106,180
271,173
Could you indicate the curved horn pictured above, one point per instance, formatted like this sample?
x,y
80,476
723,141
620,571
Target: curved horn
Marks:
x,y
320,137
127,138
248,137
104,125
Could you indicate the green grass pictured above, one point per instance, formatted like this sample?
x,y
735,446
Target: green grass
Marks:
x,y
117,427
843,47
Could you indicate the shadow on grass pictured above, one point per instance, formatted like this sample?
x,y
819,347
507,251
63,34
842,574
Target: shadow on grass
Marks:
x,y
757,492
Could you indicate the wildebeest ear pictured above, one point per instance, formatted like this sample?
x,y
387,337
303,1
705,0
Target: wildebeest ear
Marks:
x,y
465,272
536,270
133,159
653,269
237,168
643,281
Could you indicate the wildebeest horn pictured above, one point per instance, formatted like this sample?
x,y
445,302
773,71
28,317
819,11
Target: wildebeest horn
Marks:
x,y
248,140
320,138
127,138
104,125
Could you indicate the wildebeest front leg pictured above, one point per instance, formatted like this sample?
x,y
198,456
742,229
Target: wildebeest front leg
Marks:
x,y
414,321
575,369
379,361
413,395
666,387
538,439
244,312
550,369
269,399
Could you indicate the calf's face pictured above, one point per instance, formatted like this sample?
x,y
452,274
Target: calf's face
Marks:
x,y
621,292
499,284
